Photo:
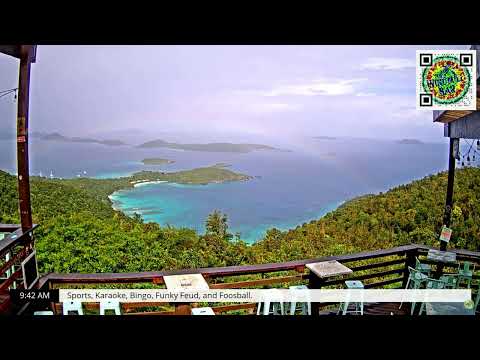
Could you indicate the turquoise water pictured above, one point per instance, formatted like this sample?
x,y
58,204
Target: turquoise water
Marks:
x,y
189,205
288,188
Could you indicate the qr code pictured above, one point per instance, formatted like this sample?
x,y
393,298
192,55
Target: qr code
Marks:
x,y
446,79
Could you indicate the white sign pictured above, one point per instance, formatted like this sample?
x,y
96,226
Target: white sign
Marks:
x,y
260,295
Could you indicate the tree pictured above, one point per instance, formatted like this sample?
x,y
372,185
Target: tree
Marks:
x,y
217,224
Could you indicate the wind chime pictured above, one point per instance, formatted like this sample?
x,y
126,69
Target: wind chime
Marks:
x,y
472,155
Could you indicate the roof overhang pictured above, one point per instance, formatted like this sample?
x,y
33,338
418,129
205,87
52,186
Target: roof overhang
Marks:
x,y
15,51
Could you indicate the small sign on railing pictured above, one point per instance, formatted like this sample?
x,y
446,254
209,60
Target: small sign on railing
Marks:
x,y
446,234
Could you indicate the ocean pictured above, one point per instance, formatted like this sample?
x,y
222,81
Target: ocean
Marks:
x,y
287,189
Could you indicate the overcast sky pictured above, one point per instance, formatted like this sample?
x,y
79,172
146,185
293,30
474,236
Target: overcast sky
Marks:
x,y
282,91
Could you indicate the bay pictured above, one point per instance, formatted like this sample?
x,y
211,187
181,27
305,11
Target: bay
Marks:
x,y
288,188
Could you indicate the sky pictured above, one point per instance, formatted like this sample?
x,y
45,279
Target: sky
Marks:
x,y
255,91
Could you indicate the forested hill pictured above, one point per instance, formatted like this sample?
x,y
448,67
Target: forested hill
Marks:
x,y
408,213
80,232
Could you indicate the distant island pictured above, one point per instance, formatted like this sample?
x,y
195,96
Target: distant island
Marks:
x,y
199,176
61,138
324,138
210,147
409,142
157,161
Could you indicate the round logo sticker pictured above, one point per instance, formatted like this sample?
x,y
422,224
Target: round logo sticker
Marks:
x,y
446,80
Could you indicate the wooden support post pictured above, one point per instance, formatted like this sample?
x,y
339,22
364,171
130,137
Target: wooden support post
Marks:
x,y
314,282
451,180
409,262
26,54
449,198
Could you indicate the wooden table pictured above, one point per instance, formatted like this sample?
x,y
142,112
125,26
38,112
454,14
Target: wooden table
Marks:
x,y
185,282
327,269
445,308
322,270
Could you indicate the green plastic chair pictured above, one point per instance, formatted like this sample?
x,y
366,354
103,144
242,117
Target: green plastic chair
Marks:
x,y
432,284
416,279
465,273
423,268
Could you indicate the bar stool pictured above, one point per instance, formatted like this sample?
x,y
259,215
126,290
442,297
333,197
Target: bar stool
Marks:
x,y
352,284
270,307
43,312
203,311
110,305
304,307
72,306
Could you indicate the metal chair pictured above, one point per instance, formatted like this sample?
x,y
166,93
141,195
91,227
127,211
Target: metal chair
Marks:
x,y
72,306
450,281
110,305
423,268
352,284
432,284
415,281
465,273
203,311
304,307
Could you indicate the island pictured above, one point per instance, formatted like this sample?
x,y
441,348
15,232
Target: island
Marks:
x,y
61,138
409,142
101,189
157,161
199,176
209,147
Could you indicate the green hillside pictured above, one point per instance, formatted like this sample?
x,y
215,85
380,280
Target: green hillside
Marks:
x,y
80,232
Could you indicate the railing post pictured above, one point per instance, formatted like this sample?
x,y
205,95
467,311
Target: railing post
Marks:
x,y
409,262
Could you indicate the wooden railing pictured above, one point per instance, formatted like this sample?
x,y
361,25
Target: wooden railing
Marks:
x,y
376,269
15,246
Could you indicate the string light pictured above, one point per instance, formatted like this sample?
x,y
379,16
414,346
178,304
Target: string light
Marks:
x,y
8,92
466,158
